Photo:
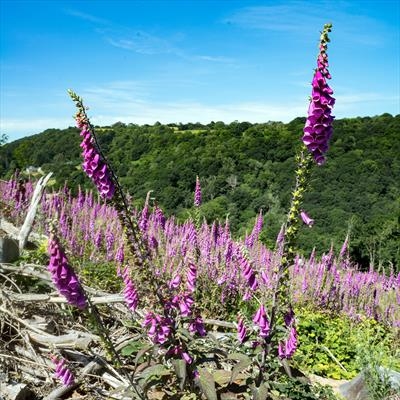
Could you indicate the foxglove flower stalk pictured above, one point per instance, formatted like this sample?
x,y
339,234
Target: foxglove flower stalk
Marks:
x,y
344,248
62,372
197,193
306,219
63,276
93,164
318,127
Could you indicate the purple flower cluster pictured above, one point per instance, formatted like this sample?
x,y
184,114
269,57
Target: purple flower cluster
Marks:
x,y
159,327
318,127
130,293
197,193
191,277
62,372
260,319
63,275
197,326
241,330
287,348
178,350
93,164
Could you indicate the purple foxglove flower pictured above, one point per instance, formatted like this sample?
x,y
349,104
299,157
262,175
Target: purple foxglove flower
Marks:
x,y
144,216
260,319
184,303
120,256
62,372
344,248
197,326
251,239
287,349
160,327
241,330
63,276
247,272
197,193
130,293
191,277
318,128
175,282
281,237
306,219
159,218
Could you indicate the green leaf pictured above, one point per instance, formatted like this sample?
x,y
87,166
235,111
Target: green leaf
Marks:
x,y
154,372
238,357
239,367
132,347
261,393
207,384
142,352
180,370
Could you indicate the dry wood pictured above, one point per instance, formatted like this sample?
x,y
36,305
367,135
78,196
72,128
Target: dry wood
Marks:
x,y
94,367
48,298
27,225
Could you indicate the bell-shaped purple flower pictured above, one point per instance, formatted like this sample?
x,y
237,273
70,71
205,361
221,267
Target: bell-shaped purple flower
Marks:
x,y
241,330
287,348
159,327
260,319
197,326
248,272
306,219
191,277
63,276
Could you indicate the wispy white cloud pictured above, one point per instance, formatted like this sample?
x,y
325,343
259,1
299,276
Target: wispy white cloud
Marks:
x,y
142,42
301,18
87,17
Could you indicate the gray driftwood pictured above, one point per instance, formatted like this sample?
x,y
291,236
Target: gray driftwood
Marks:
x,y
27,225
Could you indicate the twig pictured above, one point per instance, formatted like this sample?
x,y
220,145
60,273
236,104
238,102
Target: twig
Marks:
x,y
333,357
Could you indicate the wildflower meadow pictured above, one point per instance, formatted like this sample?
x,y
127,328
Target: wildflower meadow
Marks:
x,y
191,310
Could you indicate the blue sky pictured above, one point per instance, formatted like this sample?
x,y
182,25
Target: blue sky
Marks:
x,y
188,61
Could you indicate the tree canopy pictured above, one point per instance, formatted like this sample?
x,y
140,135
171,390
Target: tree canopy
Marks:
x,y
244,168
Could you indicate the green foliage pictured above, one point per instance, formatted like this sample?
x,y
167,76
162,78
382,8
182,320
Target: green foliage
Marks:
x,y
246,167
329,344
99,275
374,361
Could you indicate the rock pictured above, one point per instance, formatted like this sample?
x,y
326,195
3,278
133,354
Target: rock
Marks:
x,y
16,391
356,389
9,251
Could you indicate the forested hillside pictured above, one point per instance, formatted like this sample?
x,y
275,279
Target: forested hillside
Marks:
x,y
246,167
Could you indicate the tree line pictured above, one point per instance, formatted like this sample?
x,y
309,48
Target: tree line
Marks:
x,y
245,168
